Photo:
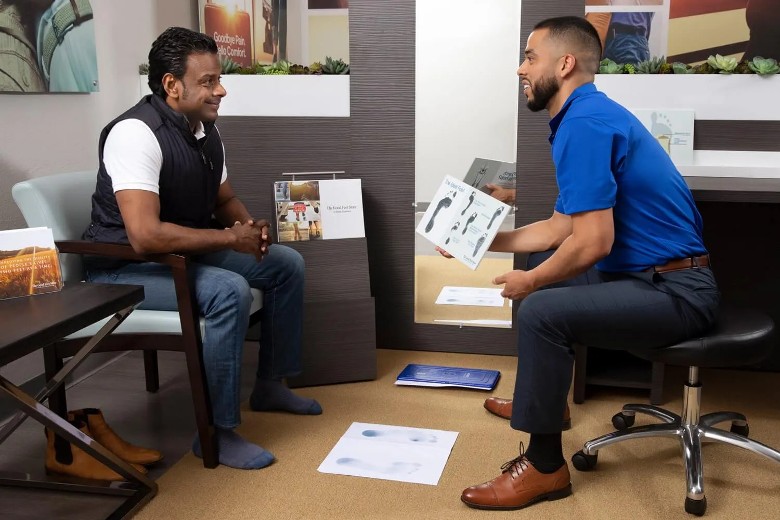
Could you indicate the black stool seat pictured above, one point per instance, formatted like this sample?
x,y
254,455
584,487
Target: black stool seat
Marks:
x,y
740,337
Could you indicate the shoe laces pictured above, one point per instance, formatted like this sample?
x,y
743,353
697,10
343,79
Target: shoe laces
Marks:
x,y
516,465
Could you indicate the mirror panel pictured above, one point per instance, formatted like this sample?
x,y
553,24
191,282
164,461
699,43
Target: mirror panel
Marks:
x,y
466,101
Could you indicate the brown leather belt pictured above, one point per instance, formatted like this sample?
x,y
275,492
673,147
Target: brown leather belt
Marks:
x,y
691,262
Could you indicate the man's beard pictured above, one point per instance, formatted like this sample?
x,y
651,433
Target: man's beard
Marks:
x,y
543,92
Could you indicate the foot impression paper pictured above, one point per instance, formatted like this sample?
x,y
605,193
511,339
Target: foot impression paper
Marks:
x,y
391,453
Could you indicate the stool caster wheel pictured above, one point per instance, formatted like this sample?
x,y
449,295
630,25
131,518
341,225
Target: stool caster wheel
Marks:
x,y
584,462
740,430
622,421
695,507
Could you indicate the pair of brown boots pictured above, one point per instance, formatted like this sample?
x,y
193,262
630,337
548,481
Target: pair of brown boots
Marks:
x,y
66,458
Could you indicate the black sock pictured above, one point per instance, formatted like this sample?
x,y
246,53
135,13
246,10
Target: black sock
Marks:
x,y
545,451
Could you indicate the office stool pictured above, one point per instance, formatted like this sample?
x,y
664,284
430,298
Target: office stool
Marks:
x,y
740,337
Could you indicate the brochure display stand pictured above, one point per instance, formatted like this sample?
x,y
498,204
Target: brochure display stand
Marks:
x,y
339,327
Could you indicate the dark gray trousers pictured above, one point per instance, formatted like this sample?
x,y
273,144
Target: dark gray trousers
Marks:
x,y
619,311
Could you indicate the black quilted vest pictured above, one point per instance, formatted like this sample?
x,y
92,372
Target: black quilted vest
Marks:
x,y
189,178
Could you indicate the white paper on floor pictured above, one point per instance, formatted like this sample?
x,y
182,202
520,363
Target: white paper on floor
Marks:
x,y
391,453
480,296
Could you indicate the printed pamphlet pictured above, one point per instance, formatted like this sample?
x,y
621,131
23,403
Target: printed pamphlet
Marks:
x,y
29,263
319,210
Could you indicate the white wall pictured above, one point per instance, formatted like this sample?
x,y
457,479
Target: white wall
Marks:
x,y
41,134
466,87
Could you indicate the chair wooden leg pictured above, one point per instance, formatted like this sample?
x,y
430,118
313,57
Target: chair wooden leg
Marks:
x,y
580,373
202,405
151,370
52,364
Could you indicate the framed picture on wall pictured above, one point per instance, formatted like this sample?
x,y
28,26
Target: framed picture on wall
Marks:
x,y
47,46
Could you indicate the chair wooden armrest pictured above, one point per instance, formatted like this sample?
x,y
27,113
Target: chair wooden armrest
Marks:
x,y
121,251
184,291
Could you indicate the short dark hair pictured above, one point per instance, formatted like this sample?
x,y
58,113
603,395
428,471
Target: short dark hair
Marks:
x,y
170,51
577,32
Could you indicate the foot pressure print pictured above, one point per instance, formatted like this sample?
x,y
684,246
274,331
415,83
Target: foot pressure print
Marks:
x,y
454,228
443,203
471,219
495,216
471,199
479,244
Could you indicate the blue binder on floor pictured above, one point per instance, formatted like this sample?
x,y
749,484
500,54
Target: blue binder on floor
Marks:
x,y
435,375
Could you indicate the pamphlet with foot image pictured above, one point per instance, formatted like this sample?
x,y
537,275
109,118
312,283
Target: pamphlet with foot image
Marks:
x,y
463,221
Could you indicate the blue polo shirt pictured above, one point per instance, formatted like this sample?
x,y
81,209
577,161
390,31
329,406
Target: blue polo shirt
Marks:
x,y
605,158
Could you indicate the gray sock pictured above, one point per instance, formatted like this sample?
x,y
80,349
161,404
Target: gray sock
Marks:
x,y
236,452
274,395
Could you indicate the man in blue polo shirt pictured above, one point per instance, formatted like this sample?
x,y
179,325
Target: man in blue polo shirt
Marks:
x,y
629,267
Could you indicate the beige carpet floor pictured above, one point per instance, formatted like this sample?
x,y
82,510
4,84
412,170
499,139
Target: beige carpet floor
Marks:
x,y
639,479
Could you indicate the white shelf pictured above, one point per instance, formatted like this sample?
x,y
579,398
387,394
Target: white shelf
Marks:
x,y
282,95
737,97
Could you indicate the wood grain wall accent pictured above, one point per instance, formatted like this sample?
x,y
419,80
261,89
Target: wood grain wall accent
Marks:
x,y
259,149
756,136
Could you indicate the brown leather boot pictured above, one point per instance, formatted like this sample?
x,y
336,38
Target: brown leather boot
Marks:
x,y
103,433
503,408
67,459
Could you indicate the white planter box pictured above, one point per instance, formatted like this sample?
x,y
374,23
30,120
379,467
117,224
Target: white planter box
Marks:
x,y
281,96
736,97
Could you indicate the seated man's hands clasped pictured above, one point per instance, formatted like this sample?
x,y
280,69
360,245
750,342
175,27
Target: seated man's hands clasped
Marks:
x,y
253,237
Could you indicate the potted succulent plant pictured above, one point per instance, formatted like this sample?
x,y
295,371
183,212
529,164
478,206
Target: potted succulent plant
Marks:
x,y
708,88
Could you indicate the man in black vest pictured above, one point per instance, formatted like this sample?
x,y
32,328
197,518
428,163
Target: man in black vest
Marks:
x,y
162,179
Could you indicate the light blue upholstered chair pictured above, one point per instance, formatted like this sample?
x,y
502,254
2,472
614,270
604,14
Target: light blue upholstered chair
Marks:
x,y
63,203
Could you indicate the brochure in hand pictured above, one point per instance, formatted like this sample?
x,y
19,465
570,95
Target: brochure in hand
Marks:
x,y
463,221
487,171
435,375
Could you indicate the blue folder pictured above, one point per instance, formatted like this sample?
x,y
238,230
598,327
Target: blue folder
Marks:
x,y
434,375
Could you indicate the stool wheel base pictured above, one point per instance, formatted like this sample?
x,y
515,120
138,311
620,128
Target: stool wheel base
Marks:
x,y
584,462
622,421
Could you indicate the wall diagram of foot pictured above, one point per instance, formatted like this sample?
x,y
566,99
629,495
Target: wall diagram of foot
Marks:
x,y
479,244
471,219
495,215
446,202
471,199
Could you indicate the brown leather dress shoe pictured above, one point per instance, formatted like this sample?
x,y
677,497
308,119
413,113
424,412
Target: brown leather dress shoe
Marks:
x,y
503,408
102,432
65,458
519,485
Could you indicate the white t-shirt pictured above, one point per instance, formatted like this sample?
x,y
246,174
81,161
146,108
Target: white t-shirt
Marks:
x,y
133,157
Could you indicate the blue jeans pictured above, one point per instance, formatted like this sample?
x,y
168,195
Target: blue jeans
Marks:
x,y
627,48
222,289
